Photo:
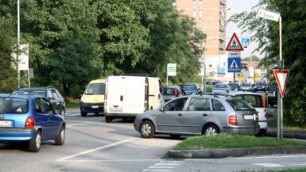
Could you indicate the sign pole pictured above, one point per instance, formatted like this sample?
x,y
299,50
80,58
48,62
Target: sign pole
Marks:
x,y
282,67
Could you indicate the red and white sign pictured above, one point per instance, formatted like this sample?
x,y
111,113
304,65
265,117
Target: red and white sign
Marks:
x,y
234,44
281,76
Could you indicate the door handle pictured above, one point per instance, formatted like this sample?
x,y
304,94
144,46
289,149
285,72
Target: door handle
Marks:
x,y
179,114
204,114
121,98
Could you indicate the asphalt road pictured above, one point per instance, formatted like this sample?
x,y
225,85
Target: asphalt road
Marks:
x,y
93,145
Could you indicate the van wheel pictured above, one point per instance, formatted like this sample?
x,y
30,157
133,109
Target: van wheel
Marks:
x,y
147,129
35,143
210,130
83,114
108,119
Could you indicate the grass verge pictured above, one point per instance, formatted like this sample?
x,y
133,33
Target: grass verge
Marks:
x,y
225,141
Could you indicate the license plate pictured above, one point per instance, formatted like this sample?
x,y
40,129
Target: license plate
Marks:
x,y
248,117
95,107
6,123
115,109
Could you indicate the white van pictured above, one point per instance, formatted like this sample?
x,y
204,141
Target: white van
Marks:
x,y
127,96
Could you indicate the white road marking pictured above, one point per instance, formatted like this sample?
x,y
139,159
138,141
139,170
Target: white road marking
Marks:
x,y
164,166
269,165
72,114
113,160
95,149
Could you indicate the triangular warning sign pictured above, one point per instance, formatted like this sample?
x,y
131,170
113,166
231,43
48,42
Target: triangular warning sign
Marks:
x,y
234,65
281,76
234,44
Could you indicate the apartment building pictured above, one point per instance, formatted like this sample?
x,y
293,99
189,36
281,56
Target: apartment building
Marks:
x,y
210,17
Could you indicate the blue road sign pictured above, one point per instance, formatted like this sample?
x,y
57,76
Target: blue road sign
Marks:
x,y
245,41
234,64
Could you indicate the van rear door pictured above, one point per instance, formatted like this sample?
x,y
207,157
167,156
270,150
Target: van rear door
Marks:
x,y
155,95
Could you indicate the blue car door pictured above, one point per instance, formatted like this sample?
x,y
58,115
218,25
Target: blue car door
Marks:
x,y
42,119
54,120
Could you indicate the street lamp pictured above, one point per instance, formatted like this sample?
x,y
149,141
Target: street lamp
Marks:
x,y
18,43
276,17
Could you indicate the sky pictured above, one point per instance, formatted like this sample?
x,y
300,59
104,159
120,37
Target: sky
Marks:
x,y
234,7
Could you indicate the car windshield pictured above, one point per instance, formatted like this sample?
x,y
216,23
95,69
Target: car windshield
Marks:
x,y
221,86
239,105
189,87
95,89
31,92
10,105
260,84
168,91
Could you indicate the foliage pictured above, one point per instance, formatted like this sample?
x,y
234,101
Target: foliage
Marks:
x,y
293,45
73,42
222,141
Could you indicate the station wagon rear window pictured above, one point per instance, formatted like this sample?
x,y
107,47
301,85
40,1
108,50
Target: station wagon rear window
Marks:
x,y
10,105
239,104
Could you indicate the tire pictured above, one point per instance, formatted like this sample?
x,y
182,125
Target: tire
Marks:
x,y
173,136
60,139
35,143
83,114
262,132
108,119
96,113
210,130
147,129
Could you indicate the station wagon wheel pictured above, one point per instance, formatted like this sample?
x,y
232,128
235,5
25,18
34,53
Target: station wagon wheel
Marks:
x,y
210,130
35,143
147,129
60,139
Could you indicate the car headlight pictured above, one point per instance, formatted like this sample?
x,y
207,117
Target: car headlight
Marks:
x,y
82,99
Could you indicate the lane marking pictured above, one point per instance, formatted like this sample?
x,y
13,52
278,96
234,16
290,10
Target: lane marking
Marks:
x,y
157,170
95,149
113,160
269,165
164,166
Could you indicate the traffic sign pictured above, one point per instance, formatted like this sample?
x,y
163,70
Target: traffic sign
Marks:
x,y
234,44
171,69
268,15
245,41
233,64
281,76
234,54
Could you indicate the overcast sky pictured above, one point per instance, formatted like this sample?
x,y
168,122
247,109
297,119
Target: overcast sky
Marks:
x,y
237,6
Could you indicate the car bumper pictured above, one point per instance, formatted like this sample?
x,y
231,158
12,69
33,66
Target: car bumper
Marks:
x,y
92,107
16,134
242,130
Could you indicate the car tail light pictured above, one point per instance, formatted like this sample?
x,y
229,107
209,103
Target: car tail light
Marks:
x,y
233,120
30,122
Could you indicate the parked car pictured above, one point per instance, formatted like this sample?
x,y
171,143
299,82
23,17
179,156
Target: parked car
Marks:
x,y
234,86
247,87
196,115
51,93
170,92
30,119
256,101
260,86
92,100
222,88
190,88
272,94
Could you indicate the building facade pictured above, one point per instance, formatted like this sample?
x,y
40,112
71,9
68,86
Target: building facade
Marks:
x,y
210,17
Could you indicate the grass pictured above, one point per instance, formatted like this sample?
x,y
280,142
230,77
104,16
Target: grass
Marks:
x,y
71,102
224,141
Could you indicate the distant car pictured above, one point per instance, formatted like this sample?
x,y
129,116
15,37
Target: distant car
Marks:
x,y
272,94
171,92
247,87
256,101
30,119
190,88
221,88
196,115
260,86
234,86
51,93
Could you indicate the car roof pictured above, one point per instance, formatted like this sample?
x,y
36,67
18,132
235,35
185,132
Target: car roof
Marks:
x,y
33,88
18,96
233,93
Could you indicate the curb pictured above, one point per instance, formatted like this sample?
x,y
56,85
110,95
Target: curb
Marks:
x,y
234,152
297,135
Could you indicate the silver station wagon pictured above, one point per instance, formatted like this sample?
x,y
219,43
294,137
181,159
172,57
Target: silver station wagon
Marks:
x,y
196,115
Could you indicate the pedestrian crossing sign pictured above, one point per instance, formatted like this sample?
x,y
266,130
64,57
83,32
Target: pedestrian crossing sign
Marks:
x,y
234,44
234,64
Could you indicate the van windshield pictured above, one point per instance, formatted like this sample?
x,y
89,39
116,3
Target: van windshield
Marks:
x,y
95,89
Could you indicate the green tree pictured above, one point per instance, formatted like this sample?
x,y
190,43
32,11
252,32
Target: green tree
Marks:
x,y
294,43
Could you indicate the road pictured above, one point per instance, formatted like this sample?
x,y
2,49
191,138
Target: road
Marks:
x,y
93,145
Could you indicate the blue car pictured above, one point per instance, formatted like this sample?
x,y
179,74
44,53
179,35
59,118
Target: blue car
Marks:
x,y
30,119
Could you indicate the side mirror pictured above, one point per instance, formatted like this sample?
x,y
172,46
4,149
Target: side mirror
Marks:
x,y
162,109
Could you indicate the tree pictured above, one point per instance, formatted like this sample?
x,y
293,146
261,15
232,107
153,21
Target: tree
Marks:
x,y
294,43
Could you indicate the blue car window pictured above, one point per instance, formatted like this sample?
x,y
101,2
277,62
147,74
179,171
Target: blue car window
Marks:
x,y
11,105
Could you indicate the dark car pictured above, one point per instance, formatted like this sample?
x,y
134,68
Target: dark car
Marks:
x,y
170,92
30,120
234,86
272,94
190,88
260,86
247,87
51,93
